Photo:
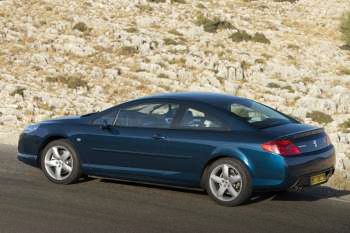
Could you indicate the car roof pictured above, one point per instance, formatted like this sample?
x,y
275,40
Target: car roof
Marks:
x,y
215,99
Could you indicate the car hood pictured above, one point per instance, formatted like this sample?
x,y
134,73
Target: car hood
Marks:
x,y
64,119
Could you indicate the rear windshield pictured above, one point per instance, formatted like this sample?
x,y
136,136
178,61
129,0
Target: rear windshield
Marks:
x,y
258,115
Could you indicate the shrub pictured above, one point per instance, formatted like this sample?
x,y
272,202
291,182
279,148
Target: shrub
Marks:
x,y
132,30
261,38
178,1
291,1
169,41
18,91
213,25
273,85
157,1
345,126
319,117
345,28
80,27
127,51
72,82
175,32
343,71
240,36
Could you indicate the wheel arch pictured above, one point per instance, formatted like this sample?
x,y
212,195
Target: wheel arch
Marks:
x,y
44,143
225,154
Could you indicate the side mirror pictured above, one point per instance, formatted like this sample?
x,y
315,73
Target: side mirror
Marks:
x,y
105,125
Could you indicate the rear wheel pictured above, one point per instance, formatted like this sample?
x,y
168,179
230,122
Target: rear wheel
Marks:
x,y
228,182
60,163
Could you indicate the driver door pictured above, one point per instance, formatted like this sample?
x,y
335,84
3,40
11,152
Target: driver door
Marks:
x,y
134,147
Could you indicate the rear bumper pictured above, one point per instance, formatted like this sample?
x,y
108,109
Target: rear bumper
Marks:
x,y
297,171
300,169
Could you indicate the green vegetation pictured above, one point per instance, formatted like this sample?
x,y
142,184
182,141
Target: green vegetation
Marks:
x,y
240,36
343,71
80,27
293,46
175,32
289,89
169,41
145,8
132,30
162,75
273,85
72,82
345,126
127,51
157,1
319,117
291,1
18,91
213,25
260,38
345,28
178,1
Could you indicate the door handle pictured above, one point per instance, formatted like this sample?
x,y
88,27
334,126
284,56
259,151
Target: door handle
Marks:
x,y
158,137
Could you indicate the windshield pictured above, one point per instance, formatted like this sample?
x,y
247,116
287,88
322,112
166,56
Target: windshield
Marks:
x,y
257,114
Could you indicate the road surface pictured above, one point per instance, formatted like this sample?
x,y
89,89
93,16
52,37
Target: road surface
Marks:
x,y
30,203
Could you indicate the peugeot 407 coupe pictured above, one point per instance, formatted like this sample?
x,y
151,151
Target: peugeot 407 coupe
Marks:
x,y
229,146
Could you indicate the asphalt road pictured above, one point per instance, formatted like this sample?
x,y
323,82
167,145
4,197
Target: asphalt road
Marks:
x,y
30,203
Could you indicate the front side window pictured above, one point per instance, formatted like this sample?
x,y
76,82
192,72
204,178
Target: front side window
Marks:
x,y
199,119
106,118
152,115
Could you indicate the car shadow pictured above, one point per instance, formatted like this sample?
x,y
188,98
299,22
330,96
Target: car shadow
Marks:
x,y
308,194
158,186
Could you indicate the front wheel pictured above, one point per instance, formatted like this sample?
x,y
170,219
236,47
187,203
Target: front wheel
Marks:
x,y
228,182
60,163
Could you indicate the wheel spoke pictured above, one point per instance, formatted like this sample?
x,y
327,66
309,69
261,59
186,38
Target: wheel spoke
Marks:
x,y
232,191
66,167
234,179
225,171
51,163
216,178
56,154
221,190
58,170
65,155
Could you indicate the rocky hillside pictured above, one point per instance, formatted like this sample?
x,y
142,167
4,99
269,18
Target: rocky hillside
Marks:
x,y
73,57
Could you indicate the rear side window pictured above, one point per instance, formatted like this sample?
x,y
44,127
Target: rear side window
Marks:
x,y
200,119
106,118
257,114
151,115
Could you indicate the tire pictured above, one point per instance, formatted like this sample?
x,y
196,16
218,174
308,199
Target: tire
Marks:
x,y
60,162
229,188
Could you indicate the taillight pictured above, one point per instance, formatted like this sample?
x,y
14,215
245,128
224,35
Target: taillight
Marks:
x,y
284,147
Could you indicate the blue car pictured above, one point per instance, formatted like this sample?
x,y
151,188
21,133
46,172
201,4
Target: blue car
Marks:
x,y
229,146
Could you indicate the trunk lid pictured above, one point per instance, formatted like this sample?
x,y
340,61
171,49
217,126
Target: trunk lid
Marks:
x,y
306,137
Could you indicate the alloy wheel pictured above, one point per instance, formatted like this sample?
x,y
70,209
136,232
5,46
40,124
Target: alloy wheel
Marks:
x,y
225,182
58,162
